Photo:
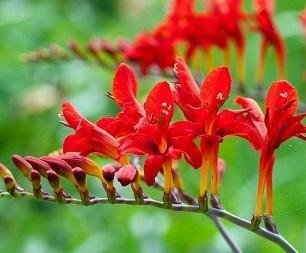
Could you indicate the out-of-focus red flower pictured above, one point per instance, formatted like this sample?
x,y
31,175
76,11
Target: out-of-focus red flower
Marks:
x,y
149,50
264,10
201,107
157,139
230,15
278,125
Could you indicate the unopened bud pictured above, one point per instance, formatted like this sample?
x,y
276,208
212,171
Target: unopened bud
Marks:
x,y
22,165
35,179
39,165
54,180
127,174
80,177
75,47
86,164
9,183
60,167
94,46
109,172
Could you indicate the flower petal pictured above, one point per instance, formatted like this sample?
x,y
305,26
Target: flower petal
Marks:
x,y
215,88
124,85
72,116
186,89
255,114
138,144
152,165
191,152
282,96
159,105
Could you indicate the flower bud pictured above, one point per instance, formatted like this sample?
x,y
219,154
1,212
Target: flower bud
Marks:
x,y
54,180
108,172
22,165
80,177
127,174
60,167
39,165
75,48
86,164
35,179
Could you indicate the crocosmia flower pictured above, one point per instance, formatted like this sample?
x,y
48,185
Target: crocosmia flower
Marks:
x,y
201,107
264,10
278,125
157,140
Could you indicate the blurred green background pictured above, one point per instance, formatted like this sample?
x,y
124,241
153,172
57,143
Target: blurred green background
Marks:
x,y
30,95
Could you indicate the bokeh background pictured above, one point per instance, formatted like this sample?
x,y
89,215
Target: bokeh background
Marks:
x,y
30,95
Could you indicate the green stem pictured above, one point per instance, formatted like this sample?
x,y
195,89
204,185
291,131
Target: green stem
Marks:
x,y
275,238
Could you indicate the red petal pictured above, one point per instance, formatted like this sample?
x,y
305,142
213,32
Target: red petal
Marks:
x,y
266,5
191,152
138,144
152,165
216,88
127,174
184,129
124,85
187,91
230,122
132,113
288,127
159,105
282,97
181,9
111,125
71,115
255,114
90,138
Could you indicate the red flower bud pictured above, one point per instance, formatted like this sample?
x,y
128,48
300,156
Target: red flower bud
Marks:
x,y
108,172
22,165
54,180
127,174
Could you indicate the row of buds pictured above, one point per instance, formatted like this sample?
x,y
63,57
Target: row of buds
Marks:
x,y
74,168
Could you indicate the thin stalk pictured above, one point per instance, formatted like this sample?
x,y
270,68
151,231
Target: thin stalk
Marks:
x,y
275,238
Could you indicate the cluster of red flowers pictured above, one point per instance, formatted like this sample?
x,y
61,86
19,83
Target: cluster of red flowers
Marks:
x,y
219,25
148,131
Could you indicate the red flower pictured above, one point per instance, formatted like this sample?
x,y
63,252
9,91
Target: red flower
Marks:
x,y
149,51
124,93
201,107
88,137
229,13
158,140
264,10
278,125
